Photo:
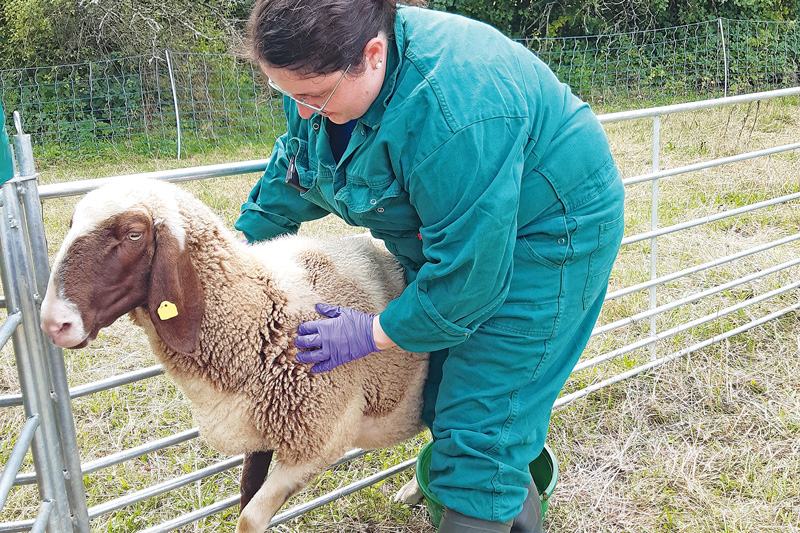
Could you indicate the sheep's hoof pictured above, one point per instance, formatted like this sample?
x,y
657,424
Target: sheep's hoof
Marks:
x,y
410,493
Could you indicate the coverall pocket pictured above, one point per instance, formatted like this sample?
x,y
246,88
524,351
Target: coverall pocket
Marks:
x,y
380,204
360,195
533,300
548,246
601,260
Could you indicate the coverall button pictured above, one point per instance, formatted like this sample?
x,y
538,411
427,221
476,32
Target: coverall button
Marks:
x,y
379,210
315,126
561,241
373,201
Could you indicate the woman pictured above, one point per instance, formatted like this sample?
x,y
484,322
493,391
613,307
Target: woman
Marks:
x,y
489,181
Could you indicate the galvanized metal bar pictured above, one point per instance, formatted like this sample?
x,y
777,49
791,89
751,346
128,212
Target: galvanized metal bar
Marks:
x,y
27,478
69,439
680,328
27,190
115,381
653,228
607,118
710,218
349,456
699,268
9,325
131,453
23,151
42,517
138,451
125,455
567,398
226,503
60,190
18,454
693,298
17,526
341,492
91,388
194,516
161,488
710,164
10,400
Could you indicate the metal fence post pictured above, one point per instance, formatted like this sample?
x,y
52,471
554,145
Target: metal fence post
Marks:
x,y
174,100
724,55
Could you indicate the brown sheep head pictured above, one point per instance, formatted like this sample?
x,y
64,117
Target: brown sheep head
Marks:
x,y
126,248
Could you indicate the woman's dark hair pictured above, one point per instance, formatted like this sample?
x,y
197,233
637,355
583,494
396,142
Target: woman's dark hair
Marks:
x,y
317,36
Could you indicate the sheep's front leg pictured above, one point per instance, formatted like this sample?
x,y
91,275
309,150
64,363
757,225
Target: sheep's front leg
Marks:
x,y
284,482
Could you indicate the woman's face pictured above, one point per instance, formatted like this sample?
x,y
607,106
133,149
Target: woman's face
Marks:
x,y
348,96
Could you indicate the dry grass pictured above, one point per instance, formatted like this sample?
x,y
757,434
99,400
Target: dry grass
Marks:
x,y
708,443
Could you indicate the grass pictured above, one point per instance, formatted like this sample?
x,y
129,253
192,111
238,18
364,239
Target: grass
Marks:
x,y
707,443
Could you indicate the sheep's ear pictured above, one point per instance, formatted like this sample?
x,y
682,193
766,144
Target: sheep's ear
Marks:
x,y
175,303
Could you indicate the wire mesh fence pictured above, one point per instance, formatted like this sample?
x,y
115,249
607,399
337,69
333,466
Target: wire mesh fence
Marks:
x,y
717,58
222,99
183,103
180,103
671,64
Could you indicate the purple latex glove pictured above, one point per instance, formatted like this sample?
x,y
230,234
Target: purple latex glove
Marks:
x,y
344,336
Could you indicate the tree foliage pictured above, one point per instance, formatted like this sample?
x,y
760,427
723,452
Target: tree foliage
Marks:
x,y
564,18
47,32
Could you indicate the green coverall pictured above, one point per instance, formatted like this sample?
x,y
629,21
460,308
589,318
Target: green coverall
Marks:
x,y
6,164
495,187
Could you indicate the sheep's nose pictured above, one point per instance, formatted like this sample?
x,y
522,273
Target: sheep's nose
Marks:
x,y
56,328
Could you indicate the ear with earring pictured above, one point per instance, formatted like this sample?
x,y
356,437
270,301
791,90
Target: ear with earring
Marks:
x,y
379,63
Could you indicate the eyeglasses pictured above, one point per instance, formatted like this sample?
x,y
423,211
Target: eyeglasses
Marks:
x,y
302,101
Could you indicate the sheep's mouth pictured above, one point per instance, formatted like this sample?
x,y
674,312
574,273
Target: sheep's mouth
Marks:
x,y
83,344
91,336
88,340
59,340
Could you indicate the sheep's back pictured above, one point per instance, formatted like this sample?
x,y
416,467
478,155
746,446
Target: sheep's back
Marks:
x,y
358,272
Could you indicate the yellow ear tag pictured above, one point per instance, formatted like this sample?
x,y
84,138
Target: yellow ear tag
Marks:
x,y
167,310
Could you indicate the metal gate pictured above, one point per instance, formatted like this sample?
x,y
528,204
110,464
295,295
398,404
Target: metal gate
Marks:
x,y
50,430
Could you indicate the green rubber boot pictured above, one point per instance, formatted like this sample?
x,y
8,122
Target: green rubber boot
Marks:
x,y
455,522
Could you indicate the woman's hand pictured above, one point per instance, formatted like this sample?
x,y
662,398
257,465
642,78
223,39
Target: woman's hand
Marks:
x,y
345,336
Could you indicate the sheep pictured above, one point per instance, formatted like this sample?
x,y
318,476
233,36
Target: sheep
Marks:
x,y
221,316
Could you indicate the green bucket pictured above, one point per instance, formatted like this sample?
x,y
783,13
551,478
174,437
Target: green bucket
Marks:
x,y
544,470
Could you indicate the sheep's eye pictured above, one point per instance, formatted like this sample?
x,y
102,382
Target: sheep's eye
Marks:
x,y
134,235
